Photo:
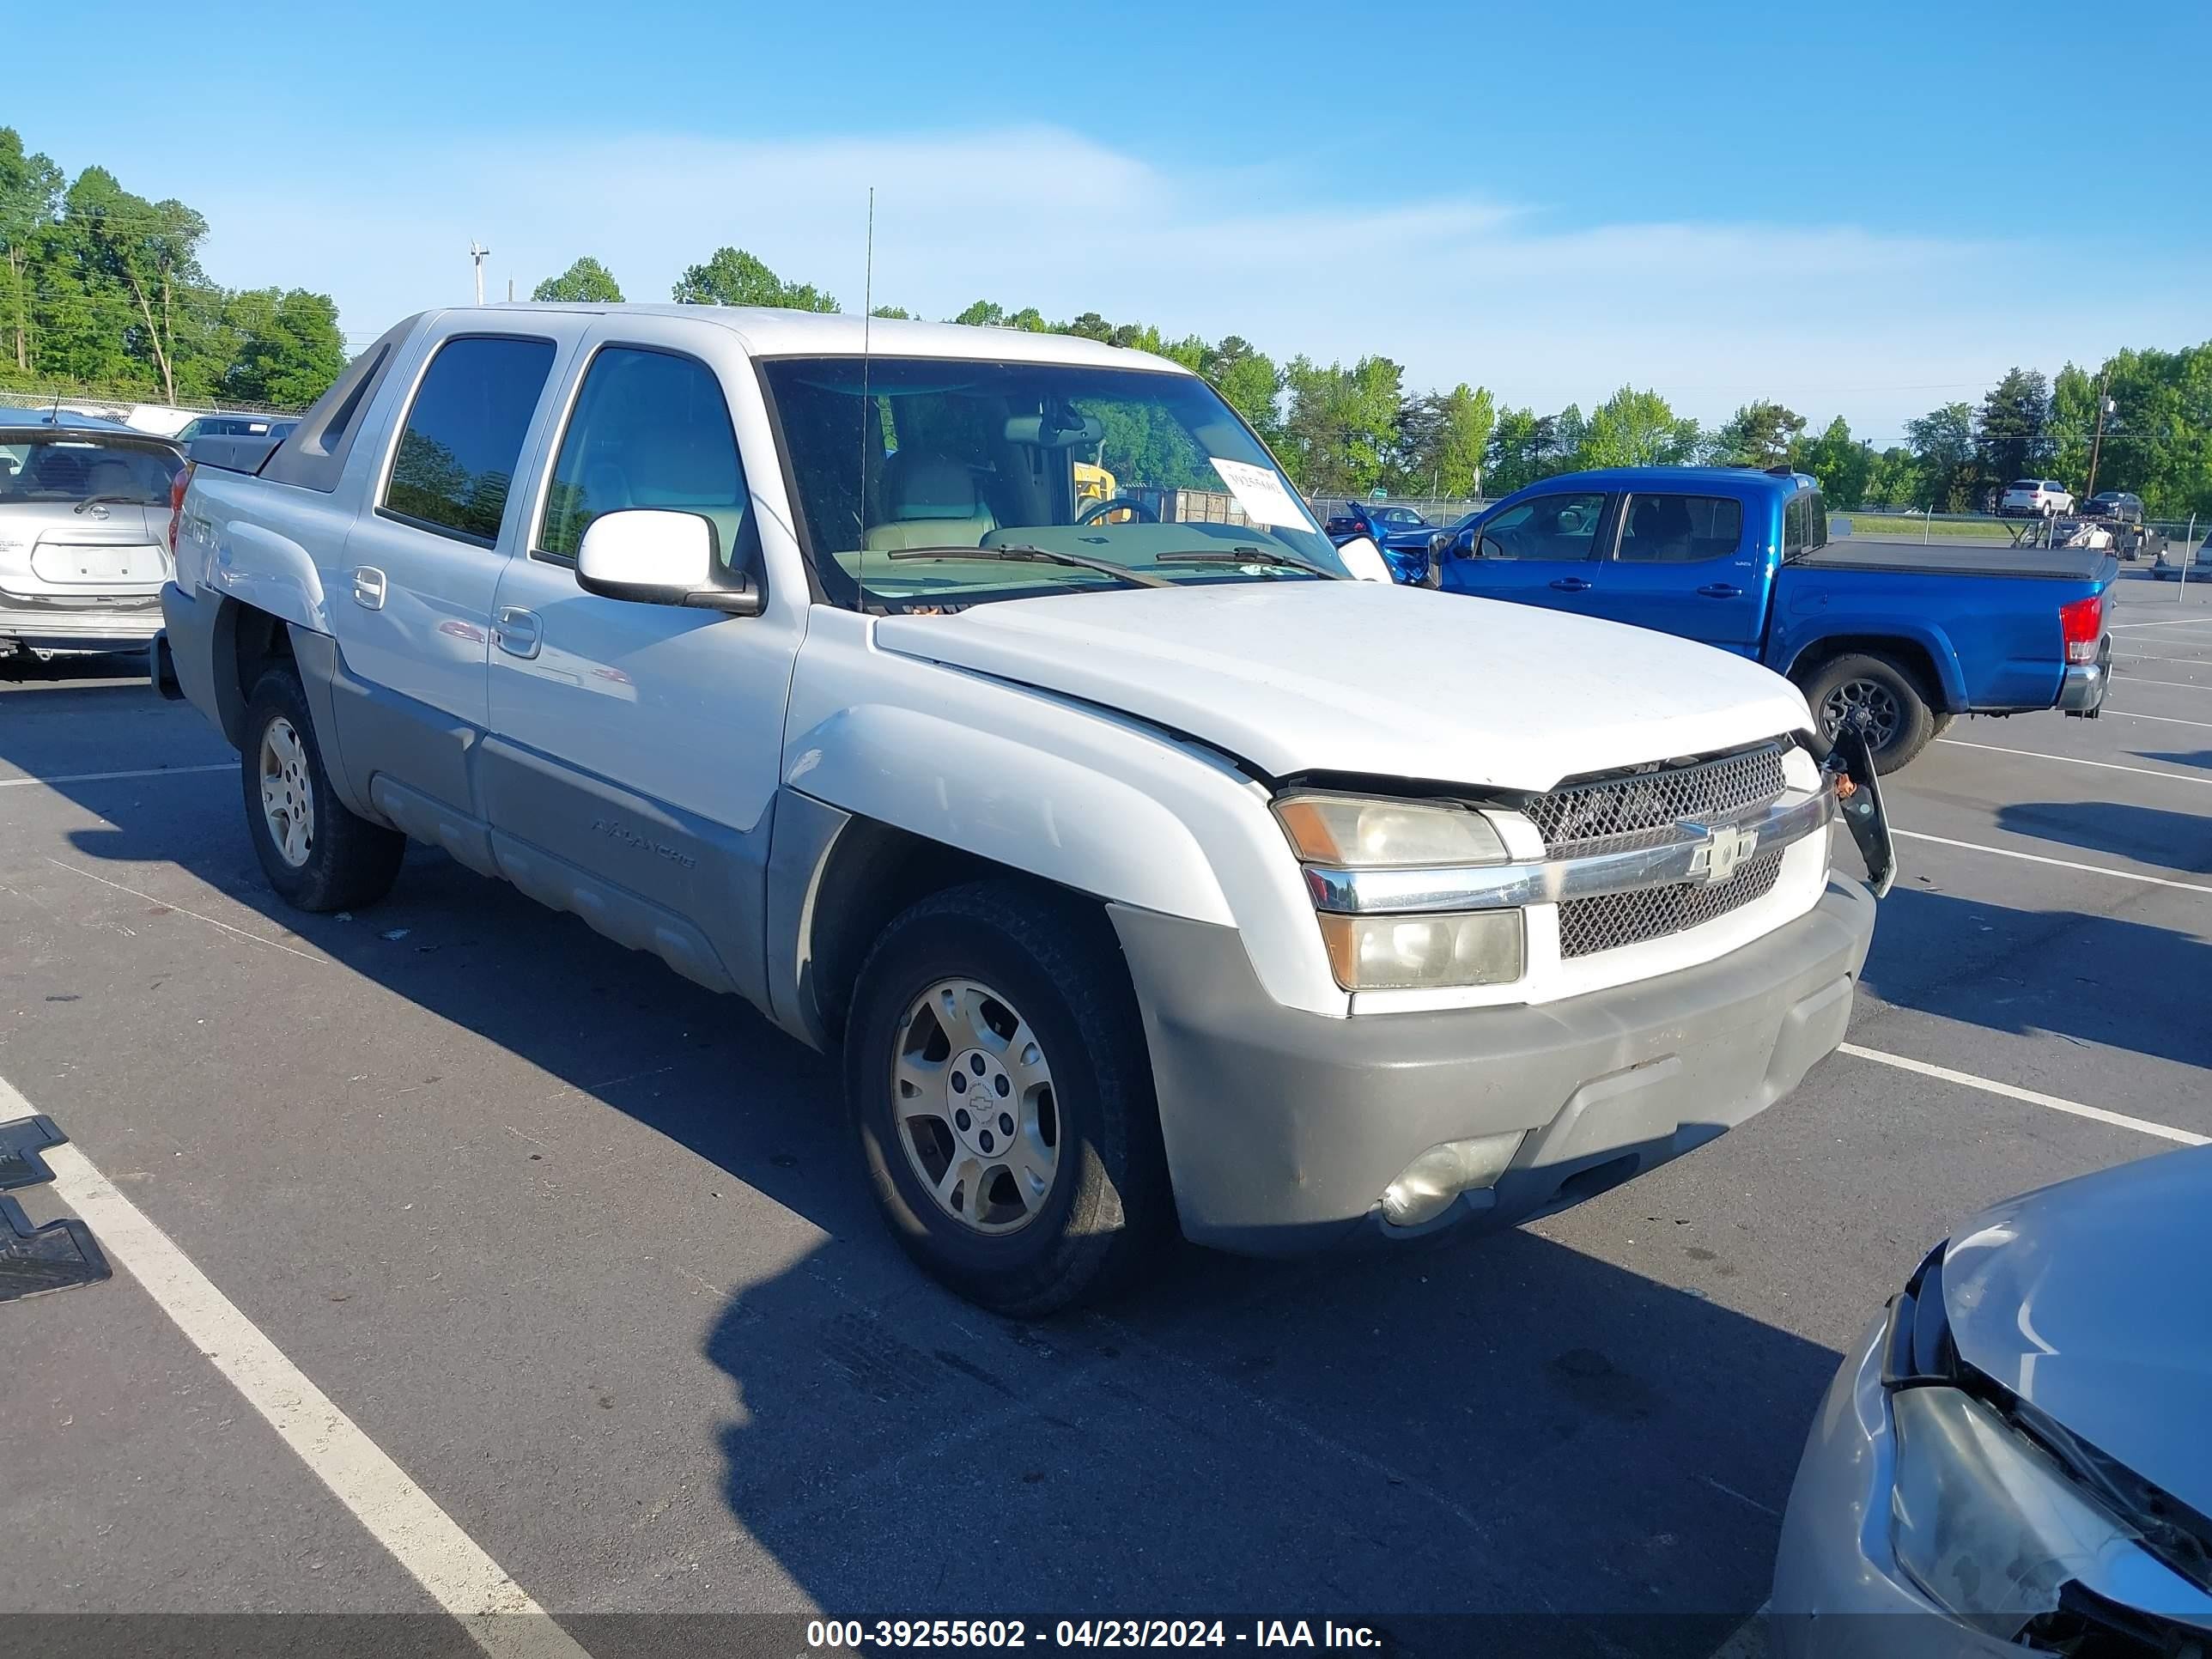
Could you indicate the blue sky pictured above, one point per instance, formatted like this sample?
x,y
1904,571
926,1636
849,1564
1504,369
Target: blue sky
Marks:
x,y
1859,210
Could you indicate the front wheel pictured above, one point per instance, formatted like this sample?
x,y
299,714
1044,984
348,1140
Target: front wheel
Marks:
x,y
317,854
997,1075
1877,694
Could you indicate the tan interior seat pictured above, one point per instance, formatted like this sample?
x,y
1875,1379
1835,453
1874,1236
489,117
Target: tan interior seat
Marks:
x,y
932,503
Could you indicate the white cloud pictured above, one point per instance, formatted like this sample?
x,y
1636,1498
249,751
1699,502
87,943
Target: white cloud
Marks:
x,y
1878,326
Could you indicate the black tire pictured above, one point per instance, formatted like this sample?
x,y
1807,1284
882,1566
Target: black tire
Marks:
x,y
350,862
1057,963
1913,722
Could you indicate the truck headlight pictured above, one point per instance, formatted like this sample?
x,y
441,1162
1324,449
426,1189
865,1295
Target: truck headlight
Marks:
x,y
1404,953
1987,1524
1357,833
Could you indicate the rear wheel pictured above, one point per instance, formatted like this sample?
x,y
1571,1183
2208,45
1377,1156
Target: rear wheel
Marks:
x,y
317,854
1875,693
996,1070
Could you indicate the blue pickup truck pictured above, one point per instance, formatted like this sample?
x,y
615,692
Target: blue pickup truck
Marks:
x,y
1904,636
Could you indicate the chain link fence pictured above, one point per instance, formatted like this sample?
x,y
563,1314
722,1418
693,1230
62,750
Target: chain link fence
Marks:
x,y
140,409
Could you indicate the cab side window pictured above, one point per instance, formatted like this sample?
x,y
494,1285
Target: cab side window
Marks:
x,y
1680,529
464,433
650,430
1793,527
1562,526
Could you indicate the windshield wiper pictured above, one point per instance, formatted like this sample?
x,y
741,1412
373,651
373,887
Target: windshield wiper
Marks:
x,y
1016,553
106,501
1252,556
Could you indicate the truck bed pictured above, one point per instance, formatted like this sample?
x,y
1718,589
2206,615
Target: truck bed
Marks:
x,y
2081,564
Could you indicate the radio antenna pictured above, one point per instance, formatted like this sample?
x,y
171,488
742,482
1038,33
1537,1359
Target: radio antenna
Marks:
x,y
867,409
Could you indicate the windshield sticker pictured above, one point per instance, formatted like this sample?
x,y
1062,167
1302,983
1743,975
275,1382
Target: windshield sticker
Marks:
x,y
1259,490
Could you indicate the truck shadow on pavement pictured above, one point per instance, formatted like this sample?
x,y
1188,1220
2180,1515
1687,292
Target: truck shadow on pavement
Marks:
x,y
1502,1425
2163,838
1992,965
2202,758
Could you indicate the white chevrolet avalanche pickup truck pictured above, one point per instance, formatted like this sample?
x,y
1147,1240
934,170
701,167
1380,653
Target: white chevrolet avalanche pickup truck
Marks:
x,y
1143,868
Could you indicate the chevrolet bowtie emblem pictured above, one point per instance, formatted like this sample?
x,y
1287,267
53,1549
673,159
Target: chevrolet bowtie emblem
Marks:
x,y
1725,848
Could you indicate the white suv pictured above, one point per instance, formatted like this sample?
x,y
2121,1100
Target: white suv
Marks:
x,y
2035,498
84,508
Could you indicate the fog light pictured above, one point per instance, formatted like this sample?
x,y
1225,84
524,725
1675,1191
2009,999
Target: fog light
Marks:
x,y
1443,1173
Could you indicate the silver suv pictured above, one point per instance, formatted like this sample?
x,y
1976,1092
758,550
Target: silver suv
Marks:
x,y
84,519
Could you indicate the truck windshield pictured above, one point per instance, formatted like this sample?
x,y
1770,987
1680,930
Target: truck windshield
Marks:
x,y
73,467
1130,468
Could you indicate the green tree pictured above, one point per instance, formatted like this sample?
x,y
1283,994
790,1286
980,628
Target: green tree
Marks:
x,y
30,189
1442,441
894,313
1637,428
984,313
1248,383
149,251
585,282
1761,434
2013,435
1893,479
1841,463
735,277
285,348
1943,458
1341,430
1525,446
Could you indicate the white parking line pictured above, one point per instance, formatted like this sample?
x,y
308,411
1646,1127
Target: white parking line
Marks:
x,y
2153,656
2171,686
2064,864
496,1611
2181,622
171,905
2033,1098
2163,720
2076,760
102,777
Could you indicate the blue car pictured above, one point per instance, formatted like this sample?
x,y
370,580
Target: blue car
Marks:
x,y
1898,637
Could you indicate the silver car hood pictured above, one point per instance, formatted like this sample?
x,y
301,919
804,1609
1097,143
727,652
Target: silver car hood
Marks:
x,y
2092,1300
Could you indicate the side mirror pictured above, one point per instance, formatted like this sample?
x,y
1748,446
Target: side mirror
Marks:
x,y
1432,570
653,557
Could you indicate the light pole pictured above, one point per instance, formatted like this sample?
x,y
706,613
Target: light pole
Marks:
x,y
479,254
2105,406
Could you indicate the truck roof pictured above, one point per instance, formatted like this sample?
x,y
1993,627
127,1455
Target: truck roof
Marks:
x,y
773,333
1688,477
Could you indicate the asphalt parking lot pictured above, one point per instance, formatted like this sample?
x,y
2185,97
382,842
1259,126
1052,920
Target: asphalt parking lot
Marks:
x,y
577,1250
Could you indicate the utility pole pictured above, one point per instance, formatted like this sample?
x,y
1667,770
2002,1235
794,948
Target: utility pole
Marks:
x,y
479,254
2104,407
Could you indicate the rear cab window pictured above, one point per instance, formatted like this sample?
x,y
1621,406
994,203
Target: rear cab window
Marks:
x,y
454,467
1671,529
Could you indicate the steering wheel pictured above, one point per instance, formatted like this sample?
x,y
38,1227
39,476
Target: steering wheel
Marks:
x,y
1139,513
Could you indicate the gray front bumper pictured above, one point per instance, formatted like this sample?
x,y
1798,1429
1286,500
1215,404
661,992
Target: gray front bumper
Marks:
x,y
1283,1127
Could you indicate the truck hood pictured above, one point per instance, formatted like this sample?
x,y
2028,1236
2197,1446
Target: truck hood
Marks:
x,y
1371,679
2090,1300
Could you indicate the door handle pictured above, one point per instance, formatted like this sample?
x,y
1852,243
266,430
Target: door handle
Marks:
x,y
1720,591
1571,585
368,587
518,632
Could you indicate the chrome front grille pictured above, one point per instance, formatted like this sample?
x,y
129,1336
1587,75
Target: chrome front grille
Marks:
x,y
1624,805
1611,921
